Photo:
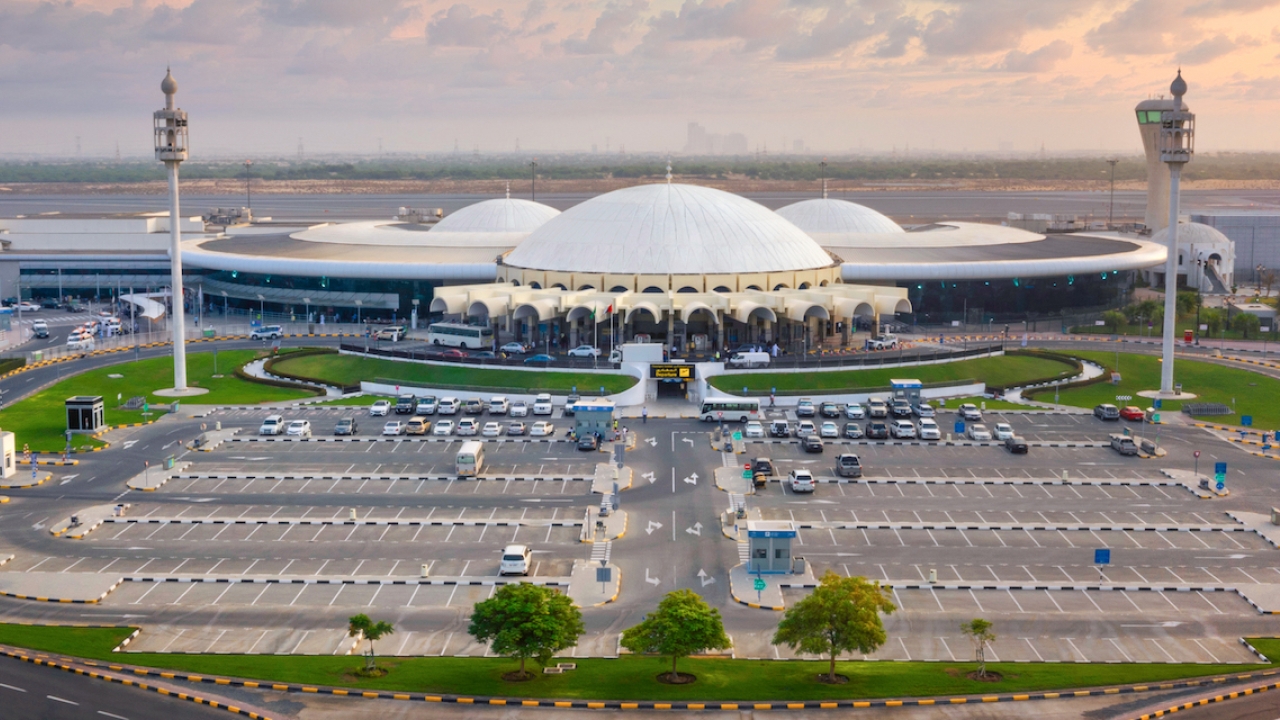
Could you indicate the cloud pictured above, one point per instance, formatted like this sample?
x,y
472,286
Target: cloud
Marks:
x,y
1207,50
1037,61
334,13
615,23
1217,8
978,27
460,26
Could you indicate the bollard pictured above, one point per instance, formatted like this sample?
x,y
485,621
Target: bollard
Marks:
x,y
424,570
984,405
933,575
217,425
352,514
948,437
1064,475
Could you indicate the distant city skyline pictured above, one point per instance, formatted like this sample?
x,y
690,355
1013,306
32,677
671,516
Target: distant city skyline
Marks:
x,y
424,76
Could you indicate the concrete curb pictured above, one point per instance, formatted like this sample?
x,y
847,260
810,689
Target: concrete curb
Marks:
x,y
406,478
396,438
1209,701
39,481
72,601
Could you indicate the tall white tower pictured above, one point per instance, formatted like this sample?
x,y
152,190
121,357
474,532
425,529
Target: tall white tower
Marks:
x,y
171,149
1176,143
1150,119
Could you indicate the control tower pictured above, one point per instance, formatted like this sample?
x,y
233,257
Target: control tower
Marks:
x,y
1157,170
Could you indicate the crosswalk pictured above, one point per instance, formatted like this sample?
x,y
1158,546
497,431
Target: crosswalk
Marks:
x,y
602,551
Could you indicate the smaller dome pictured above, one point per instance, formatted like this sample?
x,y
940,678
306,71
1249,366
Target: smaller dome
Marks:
x,y
1192,233
828,215
498,215
168,86
1179,86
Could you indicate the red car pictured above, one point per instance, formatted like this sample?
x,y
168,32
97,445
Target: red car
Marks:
x,y
1131,412
453,354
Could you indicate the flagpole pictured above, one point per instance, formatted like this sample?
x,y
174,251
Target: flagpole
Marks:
x,y
595,340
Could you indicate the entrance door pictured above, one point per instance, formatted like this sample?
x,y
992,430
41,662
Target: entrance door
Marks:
x,y
671,389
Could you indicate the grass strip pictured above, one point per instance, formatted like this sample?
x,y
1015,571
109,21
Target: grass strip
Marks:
x,y
1003,371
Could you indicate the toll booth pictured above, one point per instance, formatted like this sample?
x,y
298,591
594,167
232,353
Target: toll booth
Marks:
x,y
592,417
908,390
769,546
10,463
85,414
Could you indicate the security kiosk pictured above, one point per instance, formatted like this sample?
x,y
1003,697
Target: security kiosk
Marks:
x,y
769,546
908,390
85,414
593,417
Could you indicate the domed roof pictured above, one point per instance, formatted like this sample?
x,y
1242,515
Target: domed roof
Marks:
x,y
168,85
668,229
828,215
1191,233
497,215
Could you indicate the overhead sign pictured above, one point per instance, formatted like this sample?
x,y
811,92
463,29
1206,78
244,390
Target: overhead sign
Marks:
x,y
668,371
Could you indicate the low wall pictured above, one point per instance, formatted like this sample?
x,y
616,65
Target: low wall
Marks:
x,y
927,393
631,396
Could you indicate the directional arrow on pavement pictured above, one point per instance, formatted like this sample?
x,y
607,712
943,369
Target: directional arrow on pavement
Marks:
x,y
653,526
1237,556
688,440
129,443
692,479
653,442
652,478
1165,624
706,579
650,580
695,530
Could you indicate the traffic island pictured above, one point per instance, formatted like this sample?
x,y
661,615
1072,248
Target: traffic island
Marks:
x,y
26,480
756,591
731,480
607,475
86,521
593,584
1199,485
153,479
603,528
86,588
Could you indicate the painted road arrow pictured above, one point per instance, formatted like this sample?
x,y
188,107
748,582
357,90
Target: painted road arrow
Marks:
x,y
653,525
695,530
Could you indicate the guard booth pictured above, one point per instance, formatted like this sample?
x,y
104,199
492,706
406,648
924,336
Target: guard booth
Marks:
x,y
591,417
7,444
85,414
769,546
908,390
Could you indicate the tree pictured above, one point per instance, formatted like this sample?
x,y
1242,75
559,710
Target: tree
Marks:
x,y
1213,319
525,621
1187,301
981,633
361,625
841,615
682,625
1245,323
1113,319
1267,279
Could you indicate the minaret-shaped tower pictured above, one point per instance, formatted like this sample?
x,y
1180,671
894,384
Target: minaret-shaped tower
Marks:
x,y
1150,117
171,149
1175,143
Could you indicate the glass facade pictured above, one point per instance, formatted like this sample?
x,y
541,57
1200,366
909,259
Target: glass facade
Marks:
x,y
406,290
1016,299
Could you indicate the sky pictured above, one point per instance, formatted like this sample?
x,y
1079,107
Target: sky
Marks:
x,y
419,76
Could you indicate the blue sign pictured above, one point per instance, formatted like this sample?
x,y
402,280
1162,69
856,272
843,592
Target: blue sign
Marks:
x,y
1246,420
1222,486
1219,468
1102,557
1159,405
959,427
604,575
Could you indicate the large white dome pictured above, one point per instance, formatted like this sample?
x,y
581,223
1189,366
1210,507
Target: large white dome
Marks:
x,y
498,215
668,229
1191,233
829,215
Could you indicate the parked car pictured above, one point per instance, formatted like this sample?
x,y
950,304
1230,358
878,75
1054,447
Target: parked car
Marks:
x,y
271,425
513,348
542,404
811,444
804,408
854,411
426,406
877,408
753,430
878,431
499,405
805,428
392,333
902,409
829,410
453,354
467,426
519,408
829,430
780,429
1015,445
542,428
902,429
1124,445
979,432
1003,431
588,442
1133,413
540,358
1106,411
517,429
418,426
801,481
448,406
380,407
969,412
584,351
394,427
484,355
405,404
848,465
929,430
491,429
762,466
516,560
570,400
853,431
267,332
925,410
346,426
473,406
299,428
443,427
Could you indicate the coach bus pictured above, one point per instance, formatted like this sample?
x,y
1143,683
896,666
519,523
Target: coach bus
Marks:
x,y
459,335
731,409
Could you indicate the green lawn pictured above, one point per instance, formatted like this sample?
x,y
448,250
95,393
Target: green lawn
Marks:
x,y
996,371
1182,325
365,399
348,370
627,678
40,420
1248,392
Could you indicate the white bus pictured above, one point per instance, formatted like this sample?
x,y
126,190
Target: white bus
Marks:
x,y
730,409
475,337
470,458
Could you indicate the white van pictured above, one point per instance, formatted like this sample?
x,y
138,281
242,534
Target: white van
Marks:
x,y
542,404
470,459
272,425
516,560
111,326
749,360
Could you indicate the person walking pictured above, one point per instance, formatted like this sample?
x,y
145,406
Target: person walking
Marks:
x,y
644,416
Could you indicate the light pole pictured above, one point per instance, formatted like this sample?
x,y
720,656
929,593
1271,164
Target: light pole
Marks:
x,y
533,180
1177,143
248,194
823,165
262,309
359,304
307,302
170,126
1112,205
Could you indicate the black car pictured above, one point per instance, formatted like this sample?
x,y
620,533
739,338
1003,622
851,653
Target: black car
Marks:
x,y
49,304
588,442
405,404
878,431
346,426
762,465
1015,445
780,429
811,444
74,308
829,410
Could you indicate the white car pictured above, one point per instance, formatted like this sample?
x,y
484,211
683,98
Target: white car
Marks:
x,y
542,404
519,408
499,405
447,406
1003,431
272,425
394,427
467,426
542,428
516,560
426,406
443,427
805,428
929,430
491,429
902,429
801,481
979,432
753,430
970,412
28,307
513,348
299,428
381,407
584,351
925,410
854,411
267,332
829,430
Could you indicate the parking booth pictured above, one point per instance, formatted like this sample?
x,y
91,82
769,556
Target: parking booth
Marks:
x,y
8,465
591,417
908,390
769,546
85,414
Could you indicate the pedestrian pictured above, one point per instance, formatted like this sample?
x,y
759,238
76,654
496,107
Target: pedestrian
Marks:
x,y
644,416
774,350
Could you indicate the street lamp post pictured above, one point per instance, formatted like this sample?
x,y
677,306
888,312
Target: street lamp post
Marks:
x,y
1111,206
307,302
262,309
248,193
170,127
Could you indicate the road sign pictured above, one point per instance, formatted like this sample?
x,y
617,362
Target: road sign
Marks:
x,y
1123,398
746,474
1220,468
959,427
1197,453
1246,420
758,584
1159,404
1222,485
737,435
604,574
1102,556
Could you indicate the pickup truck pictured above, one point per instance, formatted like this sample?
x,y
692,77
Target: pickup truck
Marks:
x,y
882,342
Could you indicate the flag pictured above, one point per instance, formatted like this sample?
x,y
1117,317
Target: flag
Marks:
x,y
608,311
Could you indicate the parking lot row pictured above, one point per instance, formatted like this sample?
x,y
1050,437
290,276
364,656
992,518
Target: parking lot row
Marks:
x,y
509,487
856,539
377,514
294,476
1043,574
485,564
1002,519
423,535
159,595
